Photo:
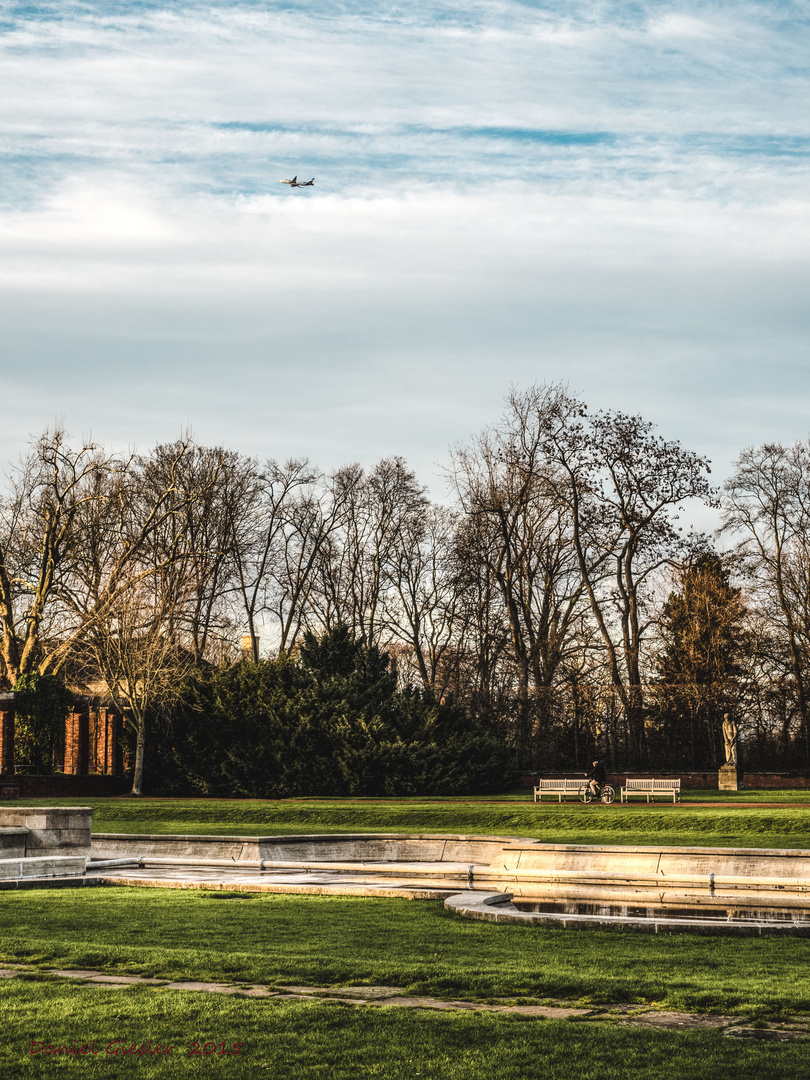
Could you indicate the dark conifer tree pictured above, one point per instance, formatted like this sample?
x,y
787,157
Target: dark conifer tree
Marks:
x,y
698,665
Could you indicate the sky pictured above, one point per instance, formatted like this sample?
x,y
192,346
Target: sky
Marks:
x,y
609,194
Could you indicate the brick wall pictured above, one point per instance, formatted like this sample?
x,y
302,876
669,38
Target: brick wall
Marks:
x,y
66,787
776,780
77,743
103,741
7,739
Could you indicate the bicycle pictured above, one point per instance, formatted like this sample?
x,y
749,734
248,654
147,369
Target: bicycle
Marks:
x,y
606,794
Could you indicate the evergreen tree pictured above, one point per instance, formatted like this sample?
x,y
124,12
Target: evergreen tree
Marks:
x,y
330,721
698,665
41,702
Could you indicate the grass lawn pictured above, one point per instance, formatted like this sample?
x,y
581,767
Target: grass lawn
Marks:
x,y
282,939
309,1041
726,825
415,945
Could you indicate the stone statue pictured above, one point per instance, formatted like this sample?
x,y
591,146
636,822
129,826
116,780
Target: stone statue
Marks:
x,y
730,739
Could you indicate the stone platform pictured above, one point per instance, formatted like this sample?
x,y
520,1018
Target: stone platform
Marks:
x,y
44,841
317,847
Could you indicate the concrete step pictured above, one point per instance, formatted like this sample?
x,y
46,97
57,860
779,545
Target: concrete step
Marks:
x,y
43,866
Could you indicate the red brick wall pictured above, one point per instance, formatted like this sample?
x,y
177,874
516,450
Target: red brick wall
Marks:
x,y
67,787
76,743
103,737
7,740
775,780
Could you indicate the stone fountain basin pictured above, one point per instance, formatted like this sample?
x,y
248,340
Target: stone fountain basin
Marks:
x,y
439,865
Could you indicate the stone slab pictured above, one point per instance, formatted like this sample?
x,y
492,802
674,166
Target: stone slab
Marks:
x,y
765,1034
12,843
213,988
679,1020
54,841
47,817
98,976
369,993
407,1002
548,1012
131,979
73,882
74,838
42,867
51,830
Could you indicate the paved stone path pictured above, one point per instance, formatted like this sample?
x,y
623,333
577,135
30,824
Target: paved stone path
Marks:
x,y
735,1027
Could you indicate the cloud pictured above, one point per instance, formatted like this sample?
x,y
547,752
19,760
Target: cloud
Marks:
x,y
609,193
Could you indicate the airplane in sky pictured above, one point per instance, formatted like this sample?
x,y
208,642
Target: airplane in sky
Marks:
x,y
295,182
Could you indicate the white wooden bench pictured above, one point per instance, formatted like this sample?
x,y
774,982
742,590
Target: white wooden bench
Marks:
x,y
651,788
560,788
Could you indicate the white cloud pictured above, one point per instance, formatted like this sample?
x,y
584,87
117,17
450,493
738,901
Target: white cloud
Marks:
x,y
613,194
676,25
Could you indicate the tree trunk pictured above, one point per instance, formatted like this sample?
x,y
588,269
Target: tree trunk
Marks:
x,y
140,745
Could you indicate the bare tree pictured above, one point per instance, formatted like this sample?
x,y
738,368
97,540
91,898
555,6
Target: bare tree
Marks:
x,y
355,563
623,488
504,480
262,525
424,599
143,665
481,652
215,486
133,591
767,503
39,544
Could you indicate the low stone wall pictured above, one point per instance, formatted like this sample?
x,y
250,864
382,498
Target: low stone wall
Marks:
x,y
12,843
61,786
54,866
776,780
667,863
497,907
51,830
328,848
667,877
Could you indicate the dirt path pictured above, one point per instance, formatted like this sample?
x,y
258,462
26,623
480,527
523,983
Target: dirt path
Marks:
x,y
735,1027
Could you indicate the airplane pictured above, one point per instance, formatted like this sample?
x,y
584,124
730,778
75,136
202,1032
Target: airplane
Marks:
x,y
295,182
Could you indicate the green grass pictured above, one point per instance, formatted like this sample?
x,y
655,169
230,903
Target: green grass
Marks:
x,y
310,1041
726,825
416,945
769,795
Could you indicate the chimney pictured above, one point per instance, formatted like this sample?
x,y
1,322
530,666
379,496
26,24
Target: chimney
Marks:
x,y
250,646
